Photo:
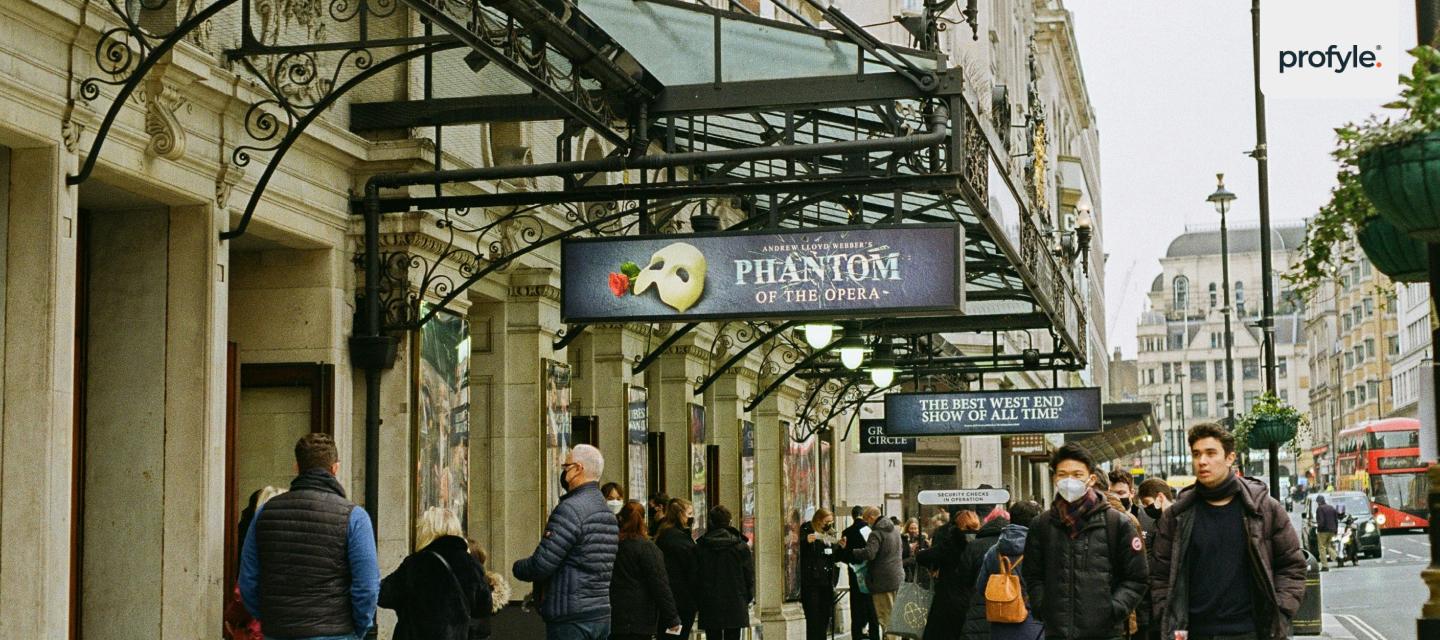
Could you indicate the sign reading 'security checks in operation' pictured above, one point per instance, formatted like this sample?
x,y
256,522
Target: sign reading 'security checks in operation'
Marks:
x,y
993,412
897,270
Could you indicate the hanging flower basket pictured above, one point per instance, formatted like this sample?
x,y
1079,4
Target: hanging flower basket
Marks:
x,y
1393,253
1270,430
1403,181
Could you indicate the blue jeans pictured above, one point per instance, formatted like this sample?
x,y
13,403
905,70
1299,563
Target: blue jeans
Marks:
x,y
591,630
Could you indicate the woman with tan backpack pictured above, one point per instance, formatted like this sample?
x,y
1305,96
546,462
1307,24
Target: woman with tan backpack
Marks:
x,y
1000,607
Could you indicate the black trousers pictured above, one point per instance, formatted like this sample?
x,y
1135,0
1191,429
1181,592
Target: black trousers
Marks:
x,y
864,624
819,605
687,622
722,634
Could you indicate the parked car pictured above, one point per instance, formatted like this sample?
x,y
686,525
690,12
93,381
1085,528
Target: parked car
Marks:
x,y
1365,542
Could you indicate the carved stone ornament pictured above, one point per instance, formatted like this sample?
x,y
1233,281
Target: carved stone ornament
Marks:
x,y
78,117
229,176
162,100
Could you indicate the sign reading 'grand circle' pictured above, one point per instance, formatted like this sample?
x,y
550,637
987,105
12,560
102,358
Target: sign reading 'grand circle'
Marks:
x,y
856,271
1074,410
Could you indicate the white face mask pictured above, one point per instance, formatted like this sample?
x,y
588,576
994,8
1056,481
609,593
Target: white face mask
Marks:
x,y
1071,489
615,505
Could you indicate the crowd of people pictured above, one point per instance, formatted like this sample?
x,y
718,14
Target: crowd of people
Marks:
x,y
1105,561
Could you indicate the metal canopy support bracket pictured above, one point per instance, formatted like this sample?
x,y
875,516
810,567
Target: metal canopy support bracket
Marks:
x,y
735,359
651,357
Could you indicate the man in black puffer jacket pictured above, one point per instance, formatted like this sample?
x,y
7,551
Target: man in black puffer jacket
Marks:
x,y
725,578
308,568
576,558
1084,565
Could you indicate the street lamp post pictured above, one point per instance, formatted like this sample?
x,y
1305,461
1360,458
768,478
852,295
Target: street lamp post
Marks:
x,y
1222,199
1267,285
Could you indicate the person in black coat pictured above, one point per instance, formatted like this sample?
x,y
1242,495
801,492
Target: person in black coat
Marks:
x,y
863,620
678,545
439,592
974,556
640,599
818,573
725,572
947,610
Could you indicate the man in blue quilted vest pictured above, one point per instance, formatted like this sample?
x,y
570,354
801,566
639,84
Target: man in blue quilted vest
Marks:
x,y
308,569
572,565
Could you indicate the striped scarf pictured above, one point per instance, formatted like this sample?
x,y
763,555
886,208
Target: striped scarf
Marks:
x,y
1072,515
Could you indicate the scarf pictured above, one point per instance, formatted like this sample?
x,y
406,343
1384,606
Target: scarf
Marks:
x,y
1072,515
1227,487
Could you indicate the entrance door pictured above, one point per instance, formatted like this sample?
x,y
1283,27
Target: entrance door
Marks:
x,y
277,404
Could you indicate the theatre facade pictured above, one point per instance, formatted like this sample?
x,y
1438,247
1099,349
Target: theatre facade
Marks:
x,y
463,237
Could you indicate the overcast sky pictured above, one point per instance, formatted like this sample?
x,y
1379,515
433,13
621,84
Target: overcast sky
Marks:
x,y
1173,93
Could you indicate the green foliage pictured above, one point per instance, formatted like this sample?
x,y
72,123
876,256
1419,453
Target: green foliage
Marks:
x,y
1337,223
1266,406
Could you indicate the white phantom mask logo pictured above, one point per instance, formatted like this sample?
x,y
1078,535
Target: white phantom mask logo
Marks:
x,y
678,272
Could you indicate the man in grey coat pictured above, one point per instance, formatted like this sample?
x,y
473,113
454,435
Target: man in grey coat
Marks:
x,y
885,572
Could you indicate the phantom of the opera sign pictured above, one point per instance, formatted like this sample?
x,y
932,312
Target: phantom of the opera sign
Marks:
x,y
851,271
993,412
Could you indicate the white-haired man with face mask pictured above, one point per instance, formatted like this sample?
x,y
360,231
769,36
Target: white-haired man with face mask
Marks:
x,y
573,563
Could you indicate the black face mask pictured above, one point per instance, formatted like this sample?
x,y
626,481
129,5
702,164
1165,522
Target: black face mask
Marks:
x,y
564,484
830,528
1125,502
1154,512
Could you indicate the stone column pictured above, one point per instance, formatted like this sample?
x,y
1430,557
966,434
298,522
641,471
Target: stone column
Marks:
x,y
607,354
36,453
522,335
726,407
780,619
195,392
671,382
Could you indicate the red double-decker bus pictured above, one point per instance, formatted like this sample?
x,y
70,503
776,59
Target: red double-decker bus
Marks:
x,y
1382,458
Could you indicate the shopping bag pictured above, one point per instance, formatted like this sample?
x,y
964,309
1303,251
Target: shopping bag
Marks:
x,y
912,609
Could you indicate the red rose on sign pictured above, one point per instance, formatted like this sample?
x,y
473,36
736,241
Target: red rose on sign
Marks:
x,y
619,284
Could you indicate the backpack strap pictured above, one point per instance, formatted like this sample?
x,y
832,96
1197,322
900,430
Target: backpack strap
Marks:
x,y
455,581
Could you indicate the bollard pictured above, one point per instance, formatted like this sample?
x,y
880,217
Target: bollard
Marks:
x,y
1307,620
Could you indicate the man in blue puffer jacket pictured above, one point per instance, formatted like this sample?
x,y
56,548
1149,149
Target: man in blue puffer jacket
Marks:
x,y
572,565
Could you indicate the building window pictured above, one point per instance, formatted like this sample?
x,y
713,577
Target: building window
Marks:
x,y
1345,282
1355,311
1197,371
1216,340
1165,372
1355,274
1365,265
1214,296
1360,394
1282,366
1181,284
1250,397
1392,345
1370,347
1240,297
1177,341
1369,304
1219,404
1350,399
1249,370
1285,396
1198,406
1349,359
1374,388
1359,354
1346,321
1219,370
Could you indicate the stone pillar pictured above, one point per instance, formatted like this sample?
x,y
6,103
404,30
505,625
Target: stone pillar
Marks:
x,y
671,381
36,443
726,408
522,335
607,355
780,619
195,392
